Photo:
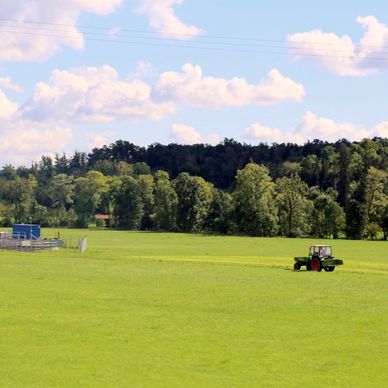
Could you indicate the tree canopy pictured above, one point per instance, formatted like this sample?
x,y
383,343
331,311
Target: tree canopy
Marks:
x,y
316,189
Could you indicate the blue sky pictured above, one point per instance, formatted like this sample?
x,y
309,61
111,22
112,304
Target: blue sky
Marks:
x,y
82,73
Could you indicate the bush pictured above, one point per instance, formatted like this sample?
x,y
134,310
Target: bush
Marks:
x,y
100,223
372,230
7,222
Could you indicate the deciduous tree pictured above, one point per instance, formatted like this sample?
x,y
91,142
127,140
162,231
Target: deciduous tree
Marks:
x,y
166,202
128,205
255,201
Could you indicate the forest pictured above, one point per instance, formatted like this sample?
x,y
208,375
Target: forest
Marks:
x,y
319,189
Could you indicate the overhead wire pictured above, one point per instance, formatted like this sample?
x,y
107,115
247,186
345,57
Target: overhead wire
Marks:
x,y
172,40
179,36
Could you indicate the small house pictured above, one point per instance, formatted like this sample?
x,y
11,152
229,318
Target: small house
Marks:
x,y
106,218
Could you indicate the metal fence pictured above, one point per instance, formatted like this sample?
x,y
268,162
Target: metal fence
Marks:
x,y
21,244
50,240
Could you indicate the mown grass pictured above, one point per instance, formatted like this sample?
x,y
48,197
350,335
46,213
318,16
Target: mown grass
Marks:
x,y
150,309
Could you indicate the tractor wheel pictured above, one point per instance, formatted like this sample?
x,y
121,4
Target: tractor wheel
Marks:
x,y
297,266
330,268
316,265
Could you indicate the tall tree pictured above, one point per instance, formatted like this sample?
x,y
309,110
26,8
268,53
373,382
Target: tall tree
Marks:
x,y
8,172
22,198
254,201
344,175
220,216
329,173
88,191
383,221
61,195
376,199
166,202
194,199
294,206
108,196
328,218
129,206
355,220
146,189
311,169
61,191
289,169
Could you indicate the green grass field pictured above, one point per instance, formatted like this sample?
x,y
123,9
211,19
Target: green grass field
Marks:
x,y
176,310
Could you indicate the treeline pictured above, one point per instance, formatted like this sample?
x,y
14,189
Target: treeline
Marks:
x,y
318,189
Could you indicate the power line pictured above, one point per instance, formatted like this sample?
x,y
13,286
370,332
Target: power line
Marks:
x,y
14,29
162,34
157,41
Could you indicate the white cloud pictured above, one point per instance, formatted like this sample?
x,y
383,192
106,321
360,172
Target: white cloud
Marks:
x,y
24,141
93,94
313,127
340,54
193,89
381,130
98,140
7,107
264,134
184,134
212,139
55,26
143,69
6,83
98,95
163,19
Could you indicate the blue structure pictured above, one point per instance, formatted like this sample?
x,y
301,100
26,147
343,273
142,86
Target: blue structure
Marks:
x,y
26,231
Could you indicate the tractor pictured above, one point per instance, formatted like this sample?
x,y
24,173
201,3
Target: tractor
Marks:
x,y
320,257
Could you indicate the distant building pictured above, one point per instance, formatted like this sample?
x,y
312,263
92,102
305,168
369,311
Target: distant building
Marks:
x,y
104,217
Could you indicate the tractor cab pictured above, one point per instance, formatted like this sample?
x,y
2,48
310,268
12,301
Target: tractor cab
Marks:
x,y
321,251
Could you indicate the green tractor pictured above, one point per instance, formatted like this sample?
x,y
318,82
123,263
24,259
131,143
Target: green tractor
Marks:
x,y
320,257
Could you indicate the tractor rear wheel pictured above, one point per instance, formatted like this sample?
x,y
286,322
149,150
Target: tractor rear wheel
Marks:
x,y
297,266
316,264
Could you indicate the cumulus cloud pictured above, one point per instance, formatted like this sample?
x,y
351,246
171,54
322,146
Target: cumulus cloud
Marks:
x,y
6,83
184,134
32,140
193,89
264,134
163,19
55,26
313,127
143,69
340,54
381,130
98,94
98,139
7,107
93,94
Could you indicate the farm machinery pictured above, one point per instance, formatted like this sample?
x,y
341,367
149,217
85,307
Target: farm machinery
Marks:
x,y
320,257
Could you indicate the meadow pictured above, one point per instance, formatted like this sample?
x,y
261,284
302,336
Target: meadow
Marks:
x,y
177,310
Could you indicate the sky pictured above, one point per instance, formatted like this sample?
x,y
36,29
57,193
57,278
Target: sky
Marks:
x,y
79,74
